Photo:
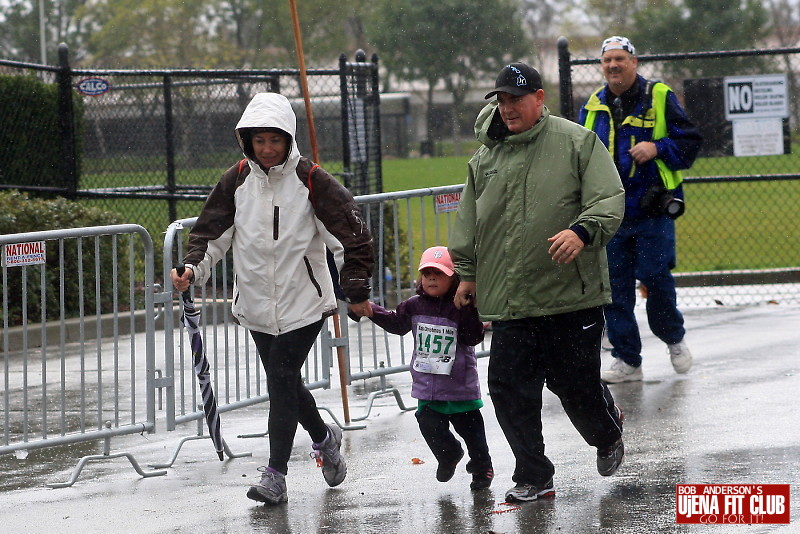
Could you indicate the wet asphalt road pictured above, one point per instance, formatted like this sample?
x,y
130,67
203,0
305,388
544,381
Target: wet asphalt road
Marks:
x,y
732,419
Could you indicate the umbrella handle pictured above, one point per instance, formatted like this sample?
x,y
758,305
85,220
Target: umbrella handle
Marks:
x,y
186,295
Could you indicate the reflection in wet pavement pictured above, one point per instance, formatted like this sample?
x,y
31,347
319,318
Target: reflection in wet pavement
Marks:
x,y
732,419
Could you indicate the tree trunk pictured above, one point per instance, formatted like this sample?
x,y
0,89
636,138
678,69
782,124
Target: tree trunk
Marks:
x,y
455,115
429,119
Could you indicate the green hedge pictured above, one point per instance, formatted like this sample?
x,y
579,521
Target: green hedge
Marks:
x,y
19,213
30,136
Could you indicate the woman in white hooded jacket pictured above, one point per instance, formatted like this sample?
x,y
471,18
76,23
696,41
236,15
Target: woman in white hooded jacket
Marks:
x,y
280,214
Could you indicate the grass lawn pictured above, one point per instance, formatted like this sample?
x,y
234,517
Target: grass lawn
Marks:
x,y
404,174
736,225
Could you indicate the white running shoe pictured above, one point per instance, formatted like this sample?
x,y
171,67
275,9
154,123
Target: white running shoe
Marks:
x,y
621,372
680,356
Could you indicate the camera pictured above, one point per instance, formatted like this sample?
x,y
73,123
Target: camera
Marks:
x,y
658,200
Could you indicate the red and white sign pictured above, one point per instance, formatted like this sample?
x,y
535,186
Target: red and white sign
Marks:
x,y
745,504
447,202
18,254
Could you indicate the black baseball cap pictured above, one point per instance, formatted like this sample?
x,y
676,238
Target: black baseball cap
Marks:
x,y
517,79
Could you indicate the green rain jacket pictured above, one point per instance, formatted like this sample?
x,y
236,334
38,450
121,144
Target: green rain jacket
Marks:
x,y
522,189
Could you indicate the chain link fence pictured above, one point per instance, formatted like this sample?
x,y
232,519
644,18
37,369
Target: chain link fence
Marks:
x,y
149,145
152,143
743,192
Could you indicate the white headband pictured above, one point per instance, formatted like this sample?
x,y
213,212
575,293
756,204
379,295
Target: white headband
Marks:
x,y
618,43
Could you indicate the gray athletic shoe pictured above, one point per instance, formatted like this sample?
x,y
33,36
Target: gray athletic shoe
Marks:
x,y
329,457
271,489
530,492
610,458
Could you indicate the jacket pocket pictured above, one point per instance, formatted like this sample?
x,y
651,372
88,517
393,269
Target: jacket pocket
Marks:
x,y
237,313
590,271
275,222
311,276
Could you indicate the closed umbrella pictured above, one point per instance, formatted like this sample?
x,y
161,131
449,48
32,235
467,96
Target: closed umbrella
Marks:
x,y
191,319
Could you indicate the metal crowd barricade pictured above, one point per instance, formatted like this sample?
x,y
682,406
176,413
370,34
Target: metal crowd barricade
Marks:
x,y
74,301
402,224
237,374
77,304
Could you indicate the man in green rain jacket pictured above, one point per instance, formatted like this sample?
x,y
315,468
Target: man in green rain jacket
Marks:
x,y
541,201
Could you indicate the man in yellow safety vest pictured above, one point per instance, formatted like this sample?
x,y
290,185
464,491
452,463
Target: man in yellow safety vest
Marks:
x,y
651,140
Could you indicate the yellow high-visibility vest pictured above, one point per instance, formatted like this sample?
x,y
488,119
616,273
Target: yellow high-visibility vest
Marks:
x,y
654,117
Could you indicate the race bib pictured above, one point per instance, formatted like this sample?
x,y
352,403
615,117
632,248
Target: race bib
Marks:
x,y
436,348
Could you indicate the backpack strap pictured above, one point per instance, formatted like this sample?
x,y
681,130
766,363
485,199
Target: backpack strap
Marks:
x,y
310,184
242,172
306,180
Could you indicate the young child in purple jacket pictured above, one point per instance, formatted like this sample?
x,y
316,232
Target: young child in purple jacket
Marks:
x,y
444,368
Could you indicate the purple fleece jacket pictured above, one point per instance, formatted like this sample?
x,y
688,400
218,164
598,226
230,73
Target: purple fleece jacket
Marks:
x,y
462,382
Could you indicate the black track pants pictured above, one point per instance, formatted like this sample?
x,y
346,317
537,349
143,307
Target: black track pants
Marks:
x,y
563,352
290,402
435,428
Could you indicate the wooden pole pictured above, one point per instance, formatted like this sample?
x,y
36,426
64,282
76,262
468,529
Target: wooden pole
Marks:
x,y
342,369
298,43
312,134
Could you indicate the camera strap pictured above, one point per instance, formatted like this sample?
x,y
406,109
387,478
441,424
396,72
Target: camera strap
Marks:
x,y
647,100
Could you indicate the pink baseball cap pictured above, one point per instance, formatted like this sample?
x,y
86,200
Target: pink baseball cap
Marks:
x,y
437,258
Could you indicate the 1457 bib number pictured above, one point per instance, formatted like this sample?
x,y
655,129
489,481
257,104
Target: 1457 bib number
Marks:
x,y
436,348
